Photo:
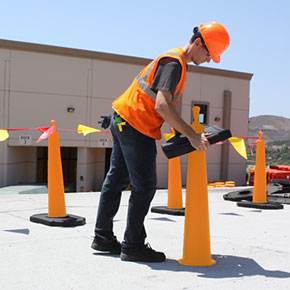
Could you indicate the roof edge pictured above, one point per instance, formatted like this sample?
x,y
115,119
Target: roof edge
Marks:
x,y
73,52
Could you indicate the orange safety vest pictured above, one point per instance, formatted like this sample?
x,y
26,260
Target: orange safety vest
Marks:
x,y
137,105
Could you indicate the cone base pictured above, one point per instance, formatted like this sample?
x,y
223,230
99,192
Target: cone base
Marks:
x,y
166,210
68,221
239,195
284,200
275,193
198,264
267,205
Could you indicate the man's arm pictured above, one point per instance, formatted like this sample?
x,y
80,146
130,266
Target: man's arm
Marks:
x,y
165,109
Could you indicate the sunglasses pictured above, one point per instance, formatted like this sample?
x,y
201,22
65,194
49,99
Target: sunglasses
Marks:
x,y
203,44
198,34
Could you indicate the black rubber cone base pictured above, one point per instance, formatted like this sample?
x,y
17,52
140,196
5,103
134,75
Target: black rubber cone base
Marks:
x,y
247,194
68,221
268,205
166,210
239,195
285,199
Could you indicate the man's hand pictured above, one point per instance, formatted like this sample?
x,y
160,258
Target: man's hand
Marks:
x,y
164,107
199,142
105,123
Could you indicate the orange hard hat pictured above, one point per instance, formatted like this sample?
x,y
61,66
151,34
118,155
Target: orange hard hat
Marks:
x,y
216,39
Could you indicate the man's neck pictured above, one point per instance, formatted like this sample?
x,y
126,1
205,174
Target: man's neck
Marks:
x,y
186,50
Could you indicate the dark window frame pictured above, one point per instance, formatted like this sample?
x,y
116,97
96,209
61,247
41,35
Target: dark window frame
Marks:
x,y
202,105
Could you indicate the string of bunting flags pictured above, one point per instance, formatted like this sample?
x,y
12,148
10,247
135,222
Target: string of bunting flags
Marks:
x,y
237,142
47,131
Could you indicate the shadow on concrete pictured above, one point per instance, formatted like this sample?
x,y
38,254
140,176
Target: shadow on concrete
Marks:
x,y
19,231
164,219
225,267
230,213
106,254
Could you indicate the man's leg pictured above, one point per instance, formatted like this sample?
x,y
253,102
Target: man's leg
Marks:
x,y
142,172
139,152
117,180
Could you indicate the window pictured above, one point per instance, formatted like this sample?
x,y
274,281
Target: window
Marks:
x,y
203,113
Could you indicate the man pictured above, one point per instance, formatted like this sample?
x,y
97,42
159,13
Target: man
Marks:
x,y
138,116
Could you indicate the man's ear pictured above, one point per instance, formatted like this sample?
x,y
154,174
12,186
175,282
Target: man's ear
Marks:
x,y
197,42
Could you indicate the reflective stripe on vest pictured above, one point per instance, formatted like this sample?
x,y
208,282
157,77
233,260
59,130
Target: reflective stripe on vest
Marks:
x,y
144,86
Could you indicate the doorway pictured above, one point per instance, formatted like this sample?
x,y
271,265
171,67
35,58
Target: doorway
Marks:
x,y
69,166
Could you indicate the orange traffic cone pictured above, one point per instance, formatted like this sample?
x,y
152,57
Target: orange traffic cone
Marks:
x,y
174,183
196,244
57,215
174,202
56,198
260,181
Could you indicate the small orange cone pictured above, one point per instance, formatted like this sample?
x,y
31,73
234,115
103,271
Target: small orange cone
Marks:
x,y
260,179
174,183
174,196
259,199
57,215
56,198
196,244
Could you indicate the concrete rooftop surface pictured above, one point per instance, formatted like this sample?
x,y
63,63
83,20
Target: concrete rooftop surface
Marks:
x,y
251,248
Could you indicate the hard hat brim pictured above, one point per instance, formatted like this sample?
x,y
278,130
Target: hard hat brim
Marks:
x,y
216,59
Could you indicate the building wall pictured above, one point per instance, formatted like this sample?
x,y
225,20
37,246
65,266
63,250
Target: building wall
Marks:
x,y
38,84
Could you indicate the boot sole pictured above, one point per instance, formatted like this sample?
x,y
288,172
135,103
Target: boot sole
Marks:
x,y
125,257
105,249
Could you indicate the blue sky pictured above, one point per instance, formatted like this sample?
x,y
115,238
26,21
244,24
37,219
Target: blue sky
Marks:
x,y
259,31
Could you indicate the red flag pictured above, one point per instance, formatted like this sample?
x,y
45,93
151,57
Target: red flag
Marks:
x,y
46,133
42,129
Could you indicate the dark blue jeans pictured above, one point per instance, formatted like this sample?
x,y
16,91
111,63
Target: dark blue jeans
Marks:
x,y
133,161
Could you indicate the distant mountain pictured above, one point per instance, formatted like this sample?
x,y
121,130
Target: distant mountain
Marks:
x,y
274,128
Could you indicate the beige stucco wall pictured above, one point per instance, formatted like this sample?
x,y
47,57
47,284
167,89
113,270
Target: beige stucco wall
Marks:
x,y
39,83
4,85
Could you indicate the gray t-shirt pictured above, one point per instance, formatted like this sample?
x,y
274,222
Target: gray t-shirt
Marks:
x,y
167,75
